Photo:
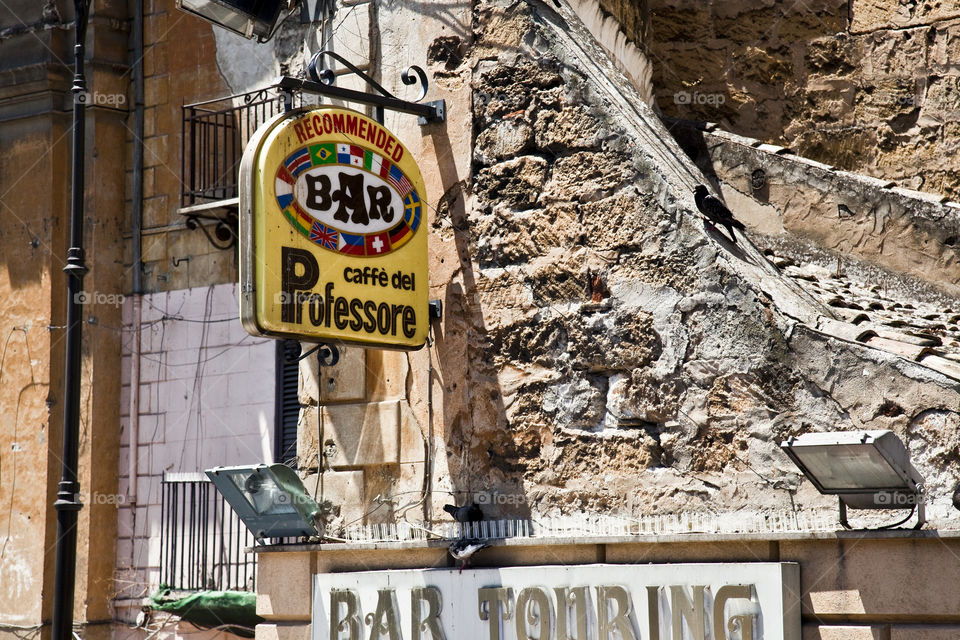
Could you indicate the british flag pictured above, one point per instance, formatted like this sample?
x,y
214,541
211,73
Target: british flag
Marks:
x,y
324,236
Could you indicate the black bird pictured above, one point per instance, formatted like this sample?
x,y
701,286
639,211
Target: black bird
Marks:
x,y
467,513
956,497
463,550
715,212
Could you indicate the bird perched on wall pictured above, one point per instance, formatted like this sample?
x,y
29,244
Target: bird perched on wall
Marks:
x,y
467,513
715,212
463,550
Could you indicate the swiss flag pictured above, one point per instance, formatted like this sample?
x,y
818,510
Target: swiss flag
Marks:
x,y
378,244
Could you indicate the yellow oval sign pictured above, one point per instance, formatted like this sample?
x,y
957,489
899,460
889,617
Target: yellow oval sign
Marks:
x,y
331,213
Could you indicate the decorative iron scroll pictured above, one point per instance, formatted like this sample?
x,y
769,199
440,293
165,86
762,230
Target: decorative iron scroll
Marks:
x,y
224,234
322,79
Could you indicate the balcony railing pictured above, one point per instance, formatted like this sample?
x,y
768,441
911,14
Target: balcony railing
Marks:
x,y
214,135
203,541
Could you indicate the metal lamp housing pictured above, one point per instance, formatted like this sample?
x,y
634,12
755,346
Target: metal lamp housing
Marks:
x,y
865,469
269,499
248,18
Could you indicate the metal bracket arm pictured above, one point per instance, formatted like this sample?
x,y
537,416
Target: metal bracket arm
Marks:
x,y
428,111
322,80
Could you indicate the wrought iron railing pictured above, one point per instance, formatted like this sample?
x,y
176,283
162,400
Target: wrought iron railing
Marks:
x,y
213,137
203,542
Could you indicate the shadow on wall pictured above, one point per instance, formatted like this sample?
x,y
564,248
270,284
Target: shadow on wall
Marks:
x,y
481,455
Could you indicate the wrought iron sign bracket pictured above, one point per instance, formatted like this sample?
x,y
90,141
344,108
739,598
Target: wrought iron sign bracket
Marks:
x,y
328,355
322,79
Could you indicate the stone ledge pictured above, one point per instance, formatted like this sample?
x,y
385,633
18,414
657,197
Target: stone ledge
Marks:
x,y
801,536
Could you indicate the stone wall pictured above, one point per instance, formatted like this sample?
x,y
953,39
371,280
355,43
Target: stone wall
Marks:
x,y
601,352
791,199
868,86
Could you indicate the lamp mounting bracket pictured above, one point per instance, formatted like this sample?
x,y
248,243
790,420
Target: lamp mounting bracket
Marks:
x,y
322,80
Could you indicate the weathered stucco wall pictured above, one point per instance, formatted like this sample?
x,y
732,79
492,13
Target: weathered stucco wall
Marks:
x,y
35,104
867,85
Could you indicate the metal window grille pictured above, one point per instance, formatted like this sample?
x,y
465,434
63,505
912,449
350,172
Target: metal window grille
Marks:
x,y
213,137
202,539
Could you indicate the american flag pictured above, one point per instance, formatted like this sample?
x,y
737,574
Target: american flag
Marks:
x,y
399,181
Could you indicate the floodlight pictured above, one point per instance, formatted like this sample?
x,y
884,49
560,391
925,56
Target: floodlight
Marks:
x,y
864,469
248,18
270,499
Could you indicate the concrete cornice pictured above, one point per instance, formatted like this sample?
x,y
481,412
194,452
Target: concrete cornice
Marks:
x,y
686,538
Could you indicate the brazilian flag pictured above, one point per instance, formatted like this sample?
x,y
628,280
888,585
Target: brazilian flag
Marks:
x,y
323,154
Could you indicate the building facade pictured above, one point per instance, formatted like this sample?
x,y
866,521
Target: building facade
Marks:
x,y
610,379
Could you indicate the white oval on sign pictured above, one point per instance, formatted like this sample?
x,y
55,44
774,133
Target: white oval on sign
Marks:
x,y
348,199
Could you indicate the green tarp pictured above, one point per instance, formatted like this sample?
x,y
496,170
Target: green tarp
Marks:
x,y
235,611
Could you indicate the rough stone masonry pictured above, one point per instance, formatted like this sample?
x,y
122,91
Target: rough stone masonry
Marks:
x,y
602,351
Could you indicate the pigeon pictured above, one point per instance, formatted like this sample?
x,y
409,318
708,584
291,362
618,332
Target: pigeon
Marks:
x,y
463,550
467,513
956,497
715,212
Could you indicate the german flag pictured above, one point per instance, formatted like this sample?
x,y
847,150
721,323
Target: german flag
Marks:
x,y
399,234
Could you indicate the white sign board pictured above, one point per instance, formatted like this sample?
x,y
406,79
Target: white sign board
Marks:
x,y
748,601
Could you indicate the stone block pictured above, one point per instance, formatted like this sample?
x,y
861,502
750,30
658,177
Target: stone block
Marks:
x,y
361,434
849,632
560,554
872,15
370,559
156,90
345,382
156,152
155,60
412,436
307,438
284,586
743,551
283,632
924,632
154,247
853,577
155,28
156,213
386,374
344,489
342,486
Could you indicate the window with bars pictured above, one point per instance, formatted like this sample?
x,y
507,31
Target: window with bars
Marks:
x,y
203,541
